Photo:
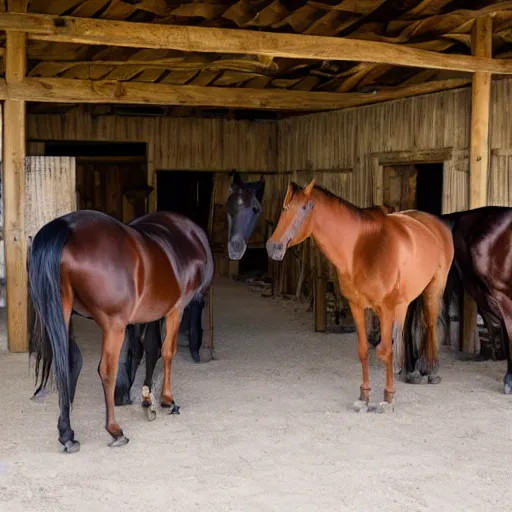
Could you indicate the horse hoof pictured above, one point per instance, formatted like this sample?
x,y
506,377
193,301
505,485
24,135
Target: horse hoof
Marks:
x,y
359,406
120,441
381,407
507,384
150,413
71,446
434,379
414,378
173,408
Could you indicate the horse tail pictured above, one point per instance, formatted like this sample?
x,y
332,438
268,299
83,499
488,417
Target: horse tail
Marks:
x,y
413,334
49,338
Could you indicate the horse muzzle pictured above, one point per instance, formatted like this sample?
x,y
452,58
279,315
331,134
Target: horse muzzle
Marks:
x,y
236,248
276,250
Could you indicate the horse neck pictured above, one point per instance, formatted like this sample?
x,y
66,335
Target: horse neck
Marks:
x,y
336,229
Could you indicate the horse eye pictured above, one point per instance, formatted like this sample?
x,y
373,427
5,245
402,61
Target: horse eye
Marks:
x,y
254,209
304,207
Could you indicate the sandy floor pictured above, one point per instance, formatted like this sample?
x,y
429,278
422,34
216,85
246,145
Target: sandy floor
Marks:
x,y
264,427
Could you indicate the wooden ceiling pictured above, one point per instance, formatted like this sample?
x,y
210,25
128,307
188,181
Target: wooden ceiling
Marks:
x,y
442,26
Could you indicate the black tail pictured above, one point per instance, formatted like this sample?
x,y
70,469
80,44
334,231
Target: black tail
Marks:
x,y
49,338
414,333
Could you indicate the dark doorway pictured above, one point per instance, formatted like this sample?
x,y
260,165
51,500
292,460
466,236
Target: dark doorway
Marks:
x,y
253,262
414,186
429,188
106,175
186,192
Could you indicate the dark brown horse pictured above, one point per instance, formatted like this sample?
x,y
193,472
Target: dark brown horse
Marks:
x,y
384,262
118,275
483,265
244,207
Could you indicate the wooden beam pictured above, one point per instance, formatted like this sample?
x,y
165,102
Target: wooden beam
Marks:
x,y
14,196
66,29
480,108
62,90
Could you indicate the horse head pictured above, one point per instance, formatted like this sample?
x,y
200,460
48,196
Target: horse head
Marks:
x,y
243,208
294,224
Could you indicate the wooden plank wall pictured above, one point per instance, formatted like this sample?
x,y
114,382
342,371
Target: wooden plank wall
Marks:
x,y
351,138
176,143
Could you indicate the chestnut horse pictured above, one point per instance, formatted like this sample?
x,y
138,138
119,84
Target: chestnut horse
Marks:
x,y
384,262
116,274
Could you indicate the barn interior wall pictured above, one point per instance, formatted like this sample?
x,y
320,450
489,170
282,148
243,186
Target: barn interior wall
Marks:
x,y
176,143
352,138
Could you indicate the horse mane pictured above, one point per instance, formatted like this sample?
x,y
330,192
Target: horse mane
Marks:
x,y
352,208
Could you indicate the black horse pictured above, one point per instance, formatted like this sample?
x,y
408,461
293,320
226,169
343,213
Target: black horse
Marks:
x,y
243,208
482,267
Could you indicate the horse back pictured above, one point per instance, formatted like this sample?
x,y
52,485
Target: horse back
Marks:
x,y
438,229
185,246
483,240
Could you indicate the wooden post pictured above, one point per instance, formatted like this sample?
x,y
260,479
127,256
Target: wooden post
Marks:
x,y
480,107
478,154
14,197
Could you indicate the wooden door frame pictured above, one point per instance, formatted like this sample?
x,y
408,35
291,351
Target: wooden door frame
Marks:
x,y
381,160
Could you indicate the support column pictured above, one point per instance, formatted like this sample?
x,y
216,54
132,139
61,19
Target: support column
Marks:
x,y
480,108
479,154
14,193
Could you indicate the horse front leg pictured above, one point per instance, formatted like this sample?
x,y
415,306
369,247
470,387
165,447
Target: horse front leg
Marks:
x,y
359,316
391,328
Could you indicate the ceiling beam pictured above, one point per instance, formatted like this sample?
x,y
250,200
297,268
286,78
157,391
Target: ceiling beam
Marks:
x,y
216,40
61,90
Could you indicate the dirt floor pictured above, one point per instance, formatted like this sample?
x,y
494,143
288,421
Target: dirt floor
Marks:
x,y
264,427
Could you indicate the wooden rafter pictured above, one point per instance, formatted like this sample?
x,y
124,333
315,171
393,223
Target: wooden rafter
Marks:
x,y
215,40
102,91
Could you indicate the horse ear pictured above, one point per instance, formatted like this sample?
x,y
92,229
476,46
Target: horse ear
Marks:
x,y
289,194
309,188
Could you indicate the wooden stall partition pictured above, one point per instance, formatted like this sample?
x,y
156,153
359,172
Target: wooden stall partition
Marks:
x,y
50,184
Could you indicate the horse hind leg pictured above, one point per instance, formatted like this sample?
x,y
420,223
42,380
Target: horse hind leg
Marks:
x,y
113,338
152,344
169,349
428,363
505,306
